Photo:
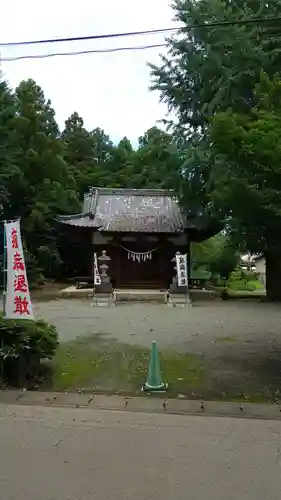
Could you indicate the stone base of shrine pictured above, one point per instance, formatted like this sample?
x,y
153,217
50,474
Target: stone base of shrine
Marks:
x,y
104,300
139,295
76,293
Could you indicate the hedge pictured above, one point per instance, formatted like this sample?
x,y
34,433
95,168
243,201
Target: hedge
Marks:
x,y
23,344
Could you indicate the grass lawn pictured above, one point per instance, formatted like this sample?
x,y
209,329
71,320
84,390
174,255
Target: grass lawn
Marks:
x,y
236,293
247,293
114,367
110,367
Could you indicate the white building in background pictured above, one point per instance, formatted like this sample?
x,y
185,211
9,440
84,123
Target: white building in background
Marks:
x,y
255,263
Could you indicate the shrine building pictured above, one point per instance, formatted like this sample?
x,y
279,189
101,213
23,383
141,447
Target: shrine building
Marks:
x,y
140,230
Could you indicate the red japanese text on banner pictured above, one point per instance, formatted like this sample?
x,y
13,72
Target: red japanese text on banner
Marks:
x,y
18,304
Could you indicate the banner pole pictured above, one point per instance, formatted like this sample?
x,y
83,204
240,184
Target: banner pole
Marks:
x,y
4,297
4,271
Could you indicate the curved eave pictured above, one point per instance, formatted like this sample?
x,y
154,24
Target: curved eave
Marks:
x,y
78,220
199,229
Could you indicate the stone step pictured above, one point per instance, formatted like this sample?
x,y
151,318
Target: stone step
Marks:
x,y
142,285
140,296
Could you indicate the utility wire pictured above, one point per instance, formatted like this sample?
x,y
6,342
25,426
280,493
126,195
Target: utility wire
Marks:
x,y
228,22
128,48
81,52
85,38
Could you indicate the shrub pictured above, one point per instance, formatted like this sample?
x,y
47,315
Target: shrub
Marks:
x,y
244,286
24,344
242,281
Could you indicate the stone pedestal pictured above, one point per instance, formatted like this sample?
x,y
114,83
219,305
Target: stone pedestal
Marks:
x,y
179,300
104,300
103,293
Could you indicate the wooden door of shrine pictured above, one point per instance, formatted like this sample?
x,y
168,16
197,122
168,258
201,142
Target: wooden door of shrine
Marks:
x,y
140,266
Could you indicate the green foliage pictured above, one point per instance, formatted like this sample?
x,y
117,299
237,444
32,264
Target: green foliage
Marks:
x,y
218,256
45,173
158,160
23,344
252,145
39,185
7,169
24,337
238,280
210,69
252,188
223,85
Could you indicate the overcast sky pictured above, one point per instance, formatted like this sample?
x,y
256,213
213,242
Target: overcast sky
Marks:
x,y
108,90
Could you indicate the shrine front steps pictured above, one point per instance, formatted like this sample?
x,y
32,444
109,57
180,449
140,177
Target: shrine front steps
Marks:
x,y
138,295
142,285
119,295
141,295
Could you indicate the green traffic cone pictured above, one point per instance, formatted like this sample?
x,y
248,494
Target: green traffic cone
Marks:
x,y
154,379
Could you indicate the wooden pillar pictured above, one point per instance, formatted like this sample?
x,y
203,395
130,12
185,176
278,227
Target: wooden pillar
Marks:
x,y
161,263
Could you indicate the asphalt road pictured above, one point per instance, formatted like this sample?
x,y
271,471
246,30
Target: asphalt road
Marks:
x,y
73,454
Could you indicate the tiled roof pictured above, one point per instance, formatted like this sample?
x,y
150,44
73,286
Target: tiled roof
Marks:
x,y
127,210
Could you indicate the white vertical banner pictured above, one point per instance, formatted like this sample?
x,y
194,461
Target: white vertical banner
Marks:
x,y
97,278
18,304
181,262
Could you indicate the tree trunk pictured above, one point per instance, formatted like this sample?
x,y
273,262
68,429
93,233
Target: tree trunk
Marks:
x,y
273,275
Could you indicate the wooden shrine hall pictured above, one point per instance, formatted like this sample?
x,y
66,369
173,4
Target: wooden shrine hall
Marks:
x,y
140,230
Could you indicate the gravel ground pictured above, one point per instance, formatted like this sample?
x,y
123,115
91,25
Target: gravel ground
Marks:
x,y
198,328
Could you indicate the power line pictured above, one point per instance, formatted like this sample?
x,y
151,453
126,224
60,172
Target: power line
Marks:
x,y
81,52
85,38
228,22
128,48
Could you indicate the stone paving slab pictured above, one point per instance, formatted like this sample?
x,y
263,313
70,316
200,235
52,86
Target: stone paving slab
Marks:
x,y
142,404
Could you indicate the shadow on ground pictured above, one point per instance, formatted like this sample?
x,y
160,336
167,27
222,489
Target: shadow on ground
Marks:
x,y
252,376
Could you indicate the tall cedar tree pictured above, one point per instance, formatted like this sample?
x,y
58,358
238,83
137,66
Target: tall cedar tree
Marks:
x,y
250,143
43,187
207,71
